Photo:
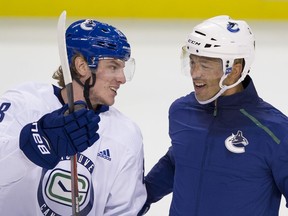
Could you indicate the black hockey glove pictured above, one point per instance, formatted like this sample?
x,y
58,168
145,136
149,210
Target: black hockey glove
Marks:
x,y
59,134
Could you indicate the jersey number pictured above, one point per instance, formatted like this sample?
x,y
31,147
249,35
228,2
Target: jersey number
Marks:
x,y
3,108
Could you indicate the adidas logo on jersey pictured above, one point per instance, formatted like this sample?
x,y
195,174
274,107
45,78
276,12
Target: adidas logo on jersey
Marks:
x,y
105,154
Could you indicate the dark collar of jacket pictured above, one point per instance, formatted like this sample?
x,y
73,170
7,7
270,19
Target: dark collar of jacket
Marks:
x,y
246,97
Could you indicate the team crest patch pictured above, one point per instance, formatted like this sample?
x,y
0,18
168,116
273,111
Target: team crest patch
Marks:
x,y
54,189
58,187
236,143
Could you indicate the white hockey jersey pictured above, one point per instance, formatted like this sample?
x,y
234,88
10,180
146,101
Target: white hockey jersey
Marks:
x,y
110,172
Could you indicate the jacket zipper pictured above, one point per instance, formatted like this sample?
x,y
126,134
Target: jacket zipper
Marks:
x,y
215,108
203,165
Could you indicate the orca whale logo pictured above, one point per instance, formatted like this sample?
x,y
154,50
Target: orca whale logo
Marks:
x,y
236,143
233,27
88,25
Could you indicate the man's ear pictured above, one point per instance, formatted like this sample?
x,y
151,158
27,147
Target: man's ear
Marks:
x,y
235,73
237,69
81,66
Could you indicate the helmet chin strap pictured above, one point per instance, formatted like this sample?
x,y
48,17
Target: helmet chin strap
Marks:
x,y
86,87
223,88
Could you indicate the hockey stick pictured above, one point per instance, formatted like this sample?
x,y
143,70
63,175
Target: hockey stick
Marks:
x,y
61,29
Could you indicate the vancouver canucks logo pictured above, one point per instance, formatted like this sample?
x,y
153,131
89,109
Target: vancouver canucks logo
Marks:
x,y
236,143
233,27
88,25
54,190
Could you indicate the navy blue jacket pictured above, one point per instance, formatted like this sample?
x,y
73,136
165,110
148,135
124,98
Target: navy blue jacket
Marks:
x,y
227,158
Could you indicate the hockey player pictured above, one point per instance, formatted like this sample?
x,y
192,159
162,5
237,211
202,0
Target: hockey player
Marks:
x,y
38,136
229,152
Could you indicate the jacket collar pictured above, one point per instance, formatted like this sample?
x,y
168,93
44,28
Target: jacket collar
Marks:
x,y
247,96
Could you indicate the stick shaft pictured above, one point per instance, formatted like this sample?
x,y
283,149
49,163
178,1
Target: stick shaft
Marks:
x,y
69,88
74,186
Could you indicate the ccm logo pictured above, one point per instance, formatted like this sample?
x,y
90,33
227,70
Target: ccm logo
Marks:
x,y
194,42
38,139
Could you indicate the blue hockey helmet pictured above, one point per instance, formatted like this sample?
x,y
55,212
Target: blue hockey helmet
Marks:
x,y
96,40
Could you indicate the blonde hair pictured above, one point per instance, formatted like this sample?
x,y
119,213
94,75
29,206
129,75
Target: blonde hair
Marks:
x,y
58,74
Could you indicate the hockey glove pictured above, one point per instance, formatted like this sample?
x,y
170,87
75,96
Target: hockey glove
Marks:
x,y
59,134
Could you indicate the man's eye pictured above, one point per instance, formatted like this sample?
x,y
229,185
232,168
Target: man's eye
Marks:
x,y
205,66
113,67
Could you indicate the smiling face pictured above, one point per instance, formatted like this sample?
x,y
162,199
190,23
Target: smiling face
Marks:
x,y
206,74
109,77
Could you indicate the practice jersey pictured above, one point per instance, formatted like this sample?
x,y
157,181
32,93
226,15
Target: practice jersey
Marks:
x,y
110,172
228,158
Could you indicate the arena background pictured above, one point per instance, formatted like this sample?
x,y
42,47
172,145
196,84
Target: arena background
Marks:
x,y
251,9
156,30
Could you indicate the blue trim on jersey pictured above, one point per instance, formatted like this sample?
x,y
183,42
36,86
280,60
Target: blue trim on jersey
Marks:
x,y
57,93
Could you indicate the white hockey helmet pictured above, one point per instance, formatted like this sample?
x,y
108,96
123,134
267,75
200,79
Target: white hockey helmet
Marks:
x,y
224,38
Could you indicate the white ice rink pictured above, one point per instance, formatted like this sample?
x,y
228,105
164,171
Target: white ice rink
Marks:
x,y
28,51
